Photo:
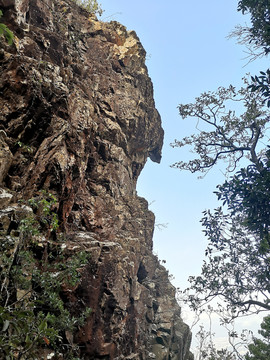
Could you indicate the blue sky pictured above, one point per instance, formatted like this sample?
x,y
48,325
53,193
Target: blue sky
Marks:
x,y
187,53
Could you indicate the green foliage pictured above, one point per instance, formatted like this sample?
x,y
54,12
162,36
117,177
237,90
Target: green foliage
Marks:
x,y
4,31
92,6
23,333
237,266
24,147
257,37
34,275
259,11
247,194
43,205
262,83
260,349
236,270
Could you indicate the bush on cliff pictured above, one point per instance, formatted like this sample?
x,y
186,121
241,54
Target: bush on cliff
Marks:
x,y
4,31
36,276
92,6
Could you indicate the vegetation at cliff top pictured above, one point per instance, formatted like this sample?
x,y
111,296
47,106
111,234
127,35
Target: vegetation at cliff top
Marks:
x,y
90,5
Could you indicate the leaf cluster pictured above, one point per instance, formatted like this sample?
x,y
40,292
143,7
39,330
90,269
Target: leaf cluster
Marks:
x,y
262,83
259,11
260,348
44,207
6,32
247,195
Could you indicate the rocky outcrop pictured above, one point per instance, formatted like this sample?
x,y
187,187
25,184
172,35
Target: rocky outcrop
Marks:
x,y
78,118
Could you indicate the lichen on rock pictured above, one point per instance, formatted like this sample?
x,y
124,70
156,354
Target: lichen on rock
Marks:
x,y
78,118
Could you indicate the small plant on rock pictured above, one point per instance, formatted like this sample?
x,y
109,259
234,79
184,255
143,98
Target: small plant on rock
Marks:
x,y
4,31
92,6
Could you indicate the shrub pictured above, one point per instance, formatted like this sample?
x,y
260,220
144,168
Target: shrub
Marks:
x,y
92,6
4,31
34,271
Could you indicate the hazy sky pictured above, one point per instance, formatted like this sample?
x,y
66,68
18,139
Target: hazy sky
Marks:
x,y
187,53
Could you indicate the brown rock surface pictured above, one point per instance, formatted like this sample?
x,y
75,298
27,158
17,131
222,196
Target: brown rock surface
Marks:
x,y
78,117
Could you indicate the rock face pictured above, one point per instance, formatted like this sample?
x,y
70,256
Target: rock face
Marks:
x,y
78,118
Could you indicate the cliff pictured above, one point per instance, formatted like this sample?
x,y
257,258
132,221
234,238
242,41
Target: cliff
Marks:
x,y
78,121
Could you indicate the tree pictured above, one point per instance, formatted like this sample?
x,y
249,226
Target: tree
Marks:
x,y
224,135
260,349
237,266
236,271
